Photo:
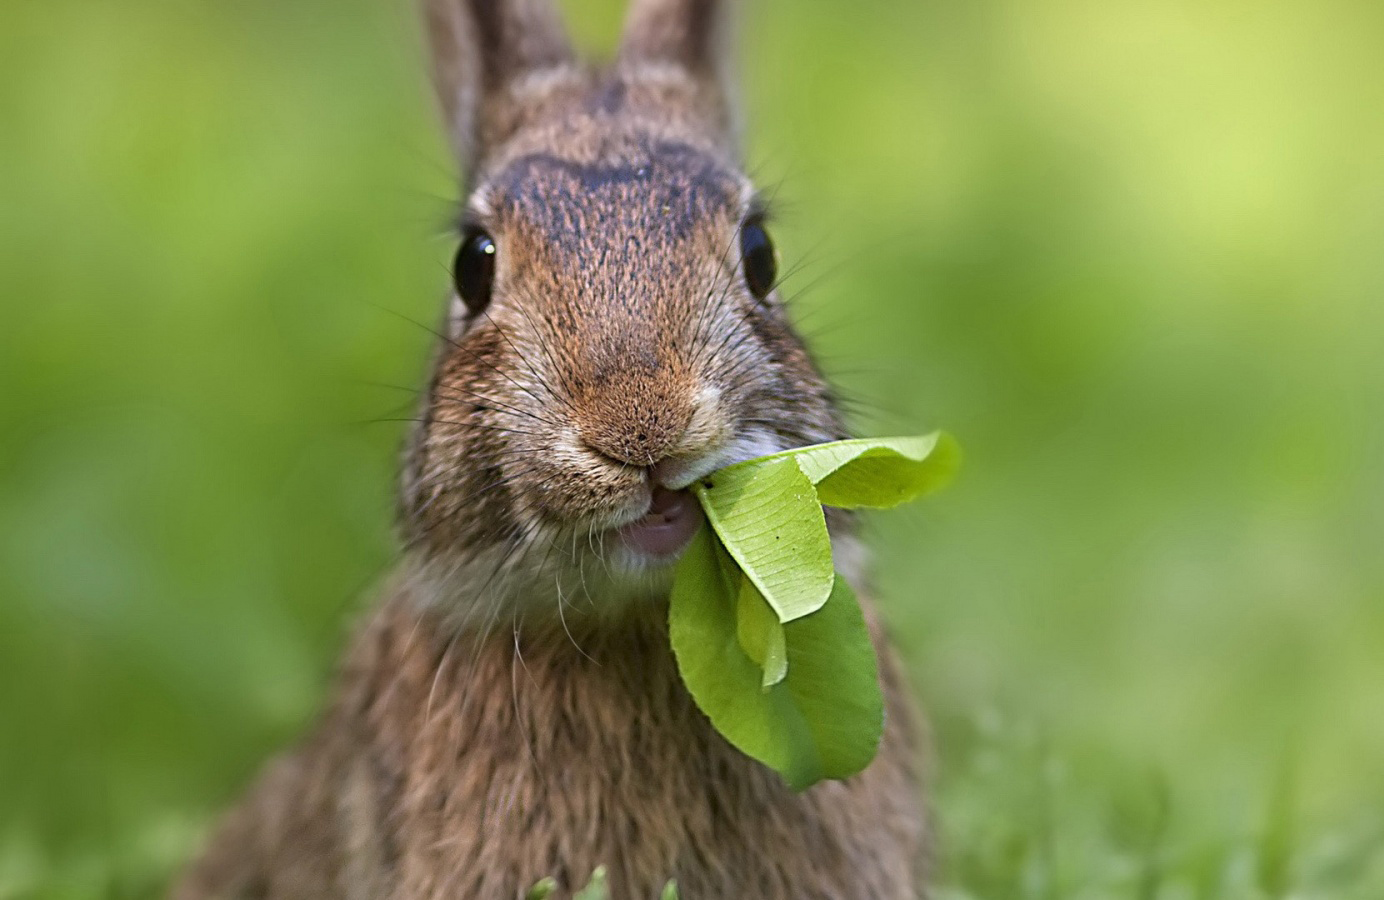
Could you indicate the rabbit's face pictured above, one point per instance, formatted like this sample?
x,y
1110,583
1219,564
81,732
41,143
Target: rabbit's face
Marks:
x,y
614,335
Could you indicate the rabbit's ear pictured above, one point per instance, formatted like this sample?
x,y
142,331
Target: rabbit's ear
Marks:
x,y
691,35
480,49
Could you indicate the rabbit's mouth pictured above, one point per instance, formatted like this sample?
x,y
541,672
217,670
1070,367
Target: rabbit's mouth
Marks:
x,y
666,529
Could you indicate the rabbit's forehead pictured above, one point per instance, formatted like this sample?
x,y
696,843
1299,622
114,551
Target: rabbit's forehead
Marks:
x,y
657,191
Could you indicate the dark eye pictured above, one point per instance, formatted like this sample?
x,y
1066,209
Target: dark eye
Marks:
x,y
473,270
761,267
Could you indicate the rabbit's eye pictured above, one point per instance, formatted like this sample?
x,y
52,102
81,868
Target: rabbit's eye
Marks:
x,y
761,266
474,269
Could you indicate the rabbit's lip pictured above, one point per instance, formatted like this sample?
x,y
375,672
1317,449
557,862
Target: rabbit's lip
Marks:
x,y
667,528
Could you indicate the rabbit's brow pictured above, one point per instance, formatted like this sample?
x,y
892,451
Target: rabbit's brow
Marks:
x,y
687,184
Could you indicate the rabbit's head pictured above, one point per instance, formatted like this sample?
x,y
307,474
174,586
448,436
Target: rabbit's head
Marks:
x,y
614,331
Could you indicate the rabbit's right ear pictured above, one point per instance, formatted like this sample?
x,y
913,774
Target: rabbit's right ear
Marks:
x,y
480,50
693,37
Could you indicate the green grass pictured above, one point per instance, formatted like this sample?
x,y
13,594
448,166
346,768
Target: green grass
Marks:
x,y
1127,252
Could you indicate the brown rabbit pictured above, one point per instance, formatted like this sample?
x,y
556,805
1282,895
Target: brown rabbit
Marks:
x,y
512,710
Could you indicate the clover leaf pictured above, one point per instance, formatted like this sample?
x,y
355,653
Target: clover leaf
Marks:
x,y
822,719
769,639
871,472
769,519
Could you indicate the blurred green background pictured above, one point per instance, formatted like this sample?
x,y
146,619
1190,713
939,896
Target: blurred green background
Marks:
x,y
1130,251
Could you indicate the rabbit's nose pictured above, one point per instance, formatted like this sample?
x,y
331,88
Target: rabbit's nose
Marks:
x,y
640,416
643,442
636,431
675,441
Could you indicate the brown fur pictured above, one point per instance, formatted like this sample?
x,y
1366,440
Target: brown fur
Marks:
x,y
512,710
473,769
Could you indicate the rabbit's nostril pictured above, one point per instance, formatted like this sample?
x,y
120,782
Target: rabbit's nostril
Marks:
x,y
662,429
642,447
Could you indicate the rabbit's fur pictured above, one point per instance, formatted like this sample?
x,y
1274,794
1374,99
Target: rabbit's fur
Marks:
x,y
512,710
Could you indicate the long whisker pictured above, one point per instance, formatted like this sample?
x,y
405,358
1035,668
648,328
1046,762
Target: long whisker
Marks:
x,y
560,396
701,334
562,617
489,402
481,425
472,355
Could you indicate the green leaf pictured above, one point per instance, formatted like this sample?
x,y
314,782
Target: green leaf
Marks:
x,y
823,720
596,889
768,517
769,640
873,472
833,678
542,890
760,633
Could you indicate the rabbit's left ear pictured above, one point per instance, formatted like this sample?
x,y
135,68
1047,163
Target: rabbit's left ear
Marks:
x,y
481,49
694,38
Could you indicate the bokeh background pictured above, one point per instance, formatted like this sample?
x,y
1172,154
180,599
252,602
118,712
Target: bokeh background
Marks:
x,y
1130,251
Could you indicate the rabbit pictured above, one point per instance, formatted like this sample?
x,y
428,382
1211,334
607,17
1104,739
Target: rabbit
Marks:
x,y
510,710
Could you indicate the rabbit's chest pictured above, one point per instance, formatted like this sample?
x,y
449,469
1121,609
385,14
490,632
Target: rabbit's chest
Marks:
x,y
494,765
